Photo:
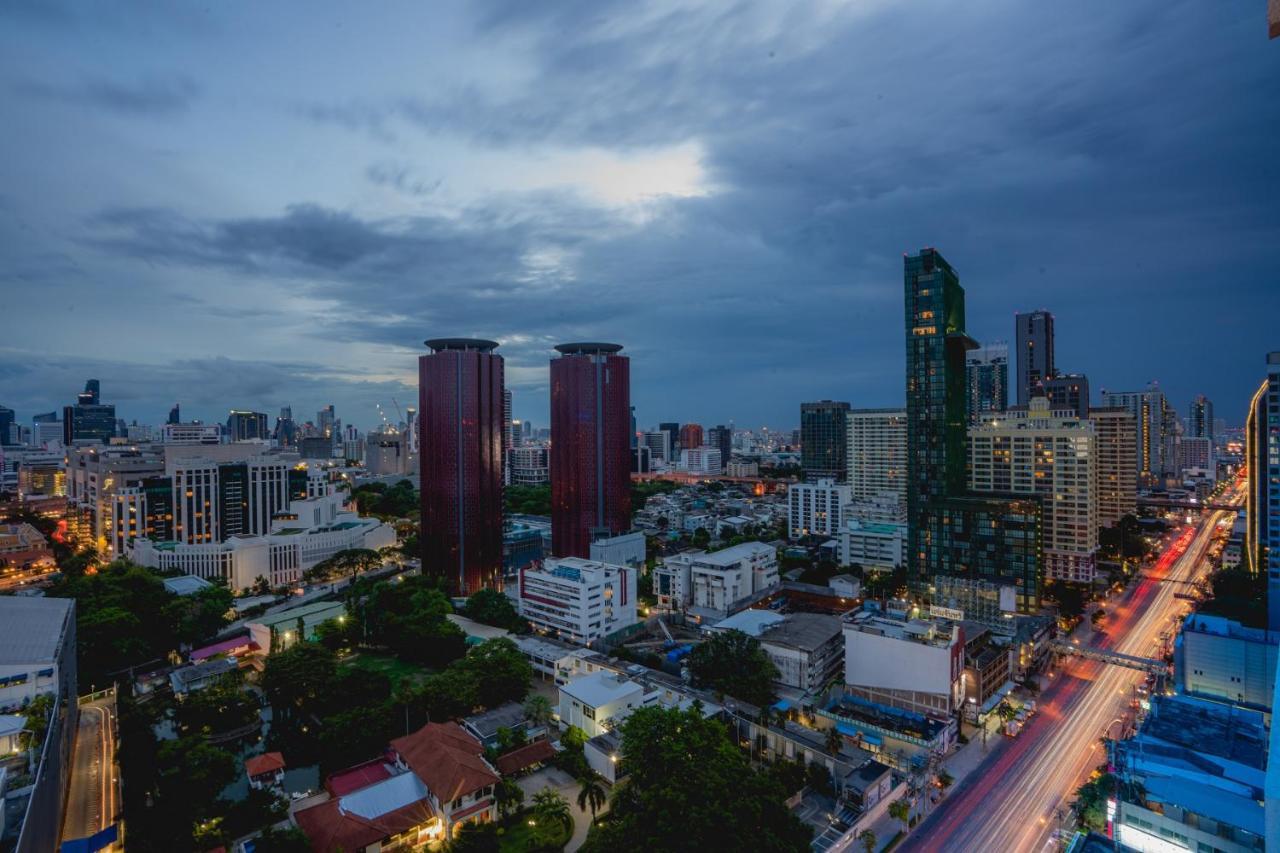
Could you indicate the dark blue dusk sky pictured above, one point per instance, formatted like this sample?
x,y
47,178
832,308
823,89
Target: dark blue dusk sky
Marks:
x,y
253,205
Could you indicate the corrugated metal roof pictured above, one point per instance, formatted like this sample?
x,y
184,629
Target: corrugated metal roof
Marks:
x,y
31,628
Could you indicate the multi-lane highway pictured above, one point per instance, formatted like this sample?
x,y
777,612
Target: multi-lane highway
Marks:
x,y
93,799
1012,801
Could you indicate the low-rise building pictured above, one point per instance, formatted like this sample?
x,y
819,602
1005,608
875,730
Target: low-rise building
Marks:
x,y
988,668
451,765
846,586
599,702
807,649
912,664
578,600
872,545
486,727
275,632
198,676
1220,659
604,755
710,584
265,770
627,549
1192,778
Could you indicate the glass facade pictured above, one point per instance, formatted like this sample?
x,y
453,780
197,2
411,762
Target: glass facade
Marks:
x,y
824,441
591,451
460,387
949,532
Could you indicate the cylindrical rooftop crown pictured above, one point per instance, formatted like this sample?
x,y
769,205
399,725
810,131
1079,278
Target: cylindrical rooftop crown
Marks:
x,y
440,344
588,348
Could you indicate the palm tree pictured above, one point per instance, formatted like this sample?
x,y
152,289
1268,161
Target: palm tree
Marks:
x,y
900,810
538,708
550,806
1006,712
835,740
509,796
592,795
868,839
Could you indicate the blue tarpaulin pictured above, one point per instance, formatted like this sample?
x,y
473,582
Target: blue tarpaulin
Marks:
x,y
97,841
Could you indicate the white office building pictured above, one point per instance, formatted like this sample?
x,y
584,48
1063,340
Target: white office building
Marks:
x,y
872,545
578,600
1053,455
911,664
701,460
877,452
386,452
816,509
192,433
709,584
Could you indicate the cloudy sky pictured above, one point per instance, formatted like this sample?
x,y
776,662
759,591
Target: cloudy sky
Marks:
x,y
266,204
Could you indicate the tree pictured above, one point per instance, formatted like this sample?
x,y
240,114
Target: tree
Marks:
x,y
834,740
551,811
1005,712
449,694
592,794
192,776
335,634
475,837
289,840
733,664
869,840
538,709
509,796
491,607
501,671
37,723
689,788
300,677
1091,801
900,810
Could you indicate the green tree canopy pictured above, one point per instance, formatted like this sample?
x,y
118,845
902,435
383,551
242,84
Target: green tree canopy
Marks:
x,y
502,673
690,789
299,678
732,663
491,607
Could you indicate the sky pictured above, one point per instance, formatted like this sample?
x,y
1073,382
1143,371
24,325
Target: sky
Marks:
x,y
253,205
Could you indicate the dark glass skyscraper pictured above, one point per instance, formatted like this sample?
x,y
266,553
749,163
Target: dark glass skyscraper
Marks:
x,y
590,446
824,440
460,404
244,426
721,437
175,415
1200,418
672,429
987,369
949,531
89,419
1035,353
1068,391
6,421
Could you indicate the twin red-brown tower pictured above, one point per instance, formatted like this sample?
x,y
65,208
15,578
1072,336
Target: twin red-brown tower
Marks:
x,y
460,404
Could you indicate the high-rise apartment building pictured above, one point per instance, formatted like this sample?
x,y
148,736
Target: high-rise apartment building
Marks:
x,y
721,436
460,401
89,419
672,429
1200,418
1051,455
987,369
175,415
1151,420
877,453
327,422
386,452
1068,391
824,440
1262,503
816,509
247,426
690,436
659,445
950,531
1035,353
1115,433
530,465
591,451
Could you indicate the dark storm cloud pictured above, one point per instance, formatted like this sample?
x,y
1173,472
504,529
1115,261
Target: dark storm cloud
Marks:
x,y
153,96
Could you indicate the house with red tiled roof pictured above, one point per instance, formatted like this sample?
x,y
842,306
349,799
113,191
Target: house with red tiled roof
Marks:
x,y
427,784
451,764
266,770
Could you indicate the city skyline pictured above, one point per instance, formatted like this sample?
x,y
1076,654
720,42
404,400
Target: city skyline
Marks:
x,y
743,207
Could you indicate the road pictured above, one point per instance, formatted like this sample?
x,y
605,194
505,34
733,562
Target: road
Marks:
x,y
94,796
1015,796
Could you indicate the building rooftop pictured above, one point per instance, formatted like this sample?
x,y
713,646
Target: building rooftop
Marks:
x,y
31,629
908,630
588,348
464,344
306,612
734,554
507,716
1221,626
601,688
447,759
750,622
1206,727
804,631
186,584
197,671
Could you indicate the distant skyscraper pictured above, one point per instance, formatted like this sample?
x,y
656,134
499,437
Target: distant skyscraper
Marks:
x,y
6,423
672,430
1200,418
824,441
246,426
175,416
721,437
286,430
951,532
326,421
1117,439
691,436
591,448
1262,502
508,437
1035,353
89,419
659,444
460,412
1150,422
987,369
1068,391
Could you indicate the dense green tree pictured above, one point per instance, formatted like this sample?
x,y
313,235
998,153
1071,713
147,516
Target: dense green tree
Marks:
x,y
201,615
528,500
900,810
288,840
193,774
37,720
1091,801
300,679
551,816
732,663
354,734
491,607
502,673
689,788
868,840
348,563
509,796
538,708
475,837
222,706
447,695
387,502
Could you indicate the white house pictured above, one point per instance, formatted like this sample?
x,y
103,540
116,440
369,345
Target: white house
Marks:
x,y
599,702
710,583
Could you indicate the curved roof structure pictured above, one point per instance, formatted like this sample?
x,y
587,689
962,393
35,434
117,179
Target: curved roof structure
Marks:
x,y
588,348
478,344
